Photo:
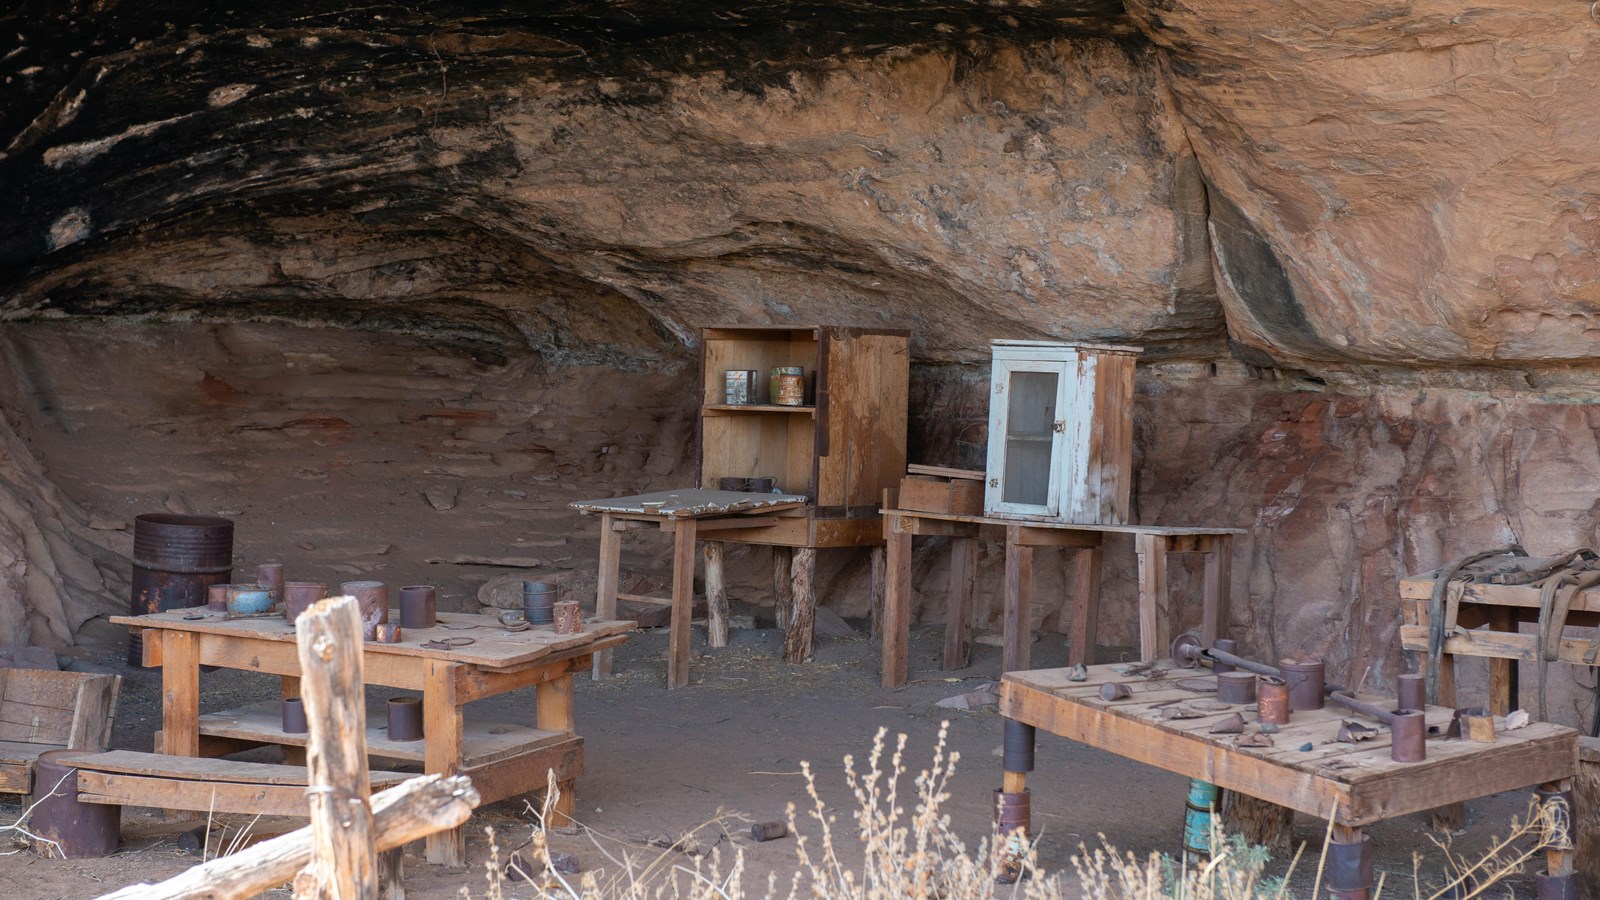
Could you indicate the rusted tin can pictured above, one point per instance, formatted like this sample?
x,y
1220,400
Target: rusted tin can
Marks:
x,y
768,831
1115,691
761,485
271,575
1198,809
372,599
299,595
1236,687
1413,691
733,484
217,597
419,606
739,387
538,602
1350,868
294,716
405,718
1272,700
1305,680
1226,645
388,634
568,617
1012,810
176,558
79,830
789,390
1408,732
249,600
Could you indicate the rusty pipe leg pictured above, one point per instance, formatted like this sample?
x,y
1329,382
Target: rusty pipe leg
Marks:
x,y
1012,804
1350,864
1558,882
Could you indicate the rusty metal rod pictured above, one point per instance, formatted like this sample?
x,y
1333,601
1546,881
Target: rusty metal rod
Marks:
x,y
1241,663
1337,695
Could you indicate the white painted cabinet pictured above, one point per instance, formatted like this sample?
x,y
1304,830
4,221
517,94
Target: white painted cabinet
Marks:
x,y
1060,432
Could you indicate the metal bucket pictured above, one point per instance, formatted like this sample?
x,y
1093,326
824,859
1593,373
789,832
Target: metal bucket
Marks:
x,y
405,719
1305,679
176,558
299,595
419,606
78,829
538,602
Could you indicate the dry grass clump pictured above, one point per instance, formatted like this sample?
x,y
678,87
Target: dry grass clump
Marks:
x,y
915,854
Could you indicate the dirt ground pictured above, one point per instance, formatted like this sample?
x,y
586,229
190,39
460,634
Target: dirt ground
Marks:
x,y
709,759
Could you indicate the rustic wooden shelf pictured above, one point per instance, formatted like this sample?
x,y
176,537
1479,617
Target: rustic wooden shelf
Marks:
x,y
482,742
757,408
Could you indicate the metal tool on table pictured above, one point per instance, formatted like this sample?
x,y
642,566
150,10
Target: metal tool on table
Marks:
x,y
449,643
1303,683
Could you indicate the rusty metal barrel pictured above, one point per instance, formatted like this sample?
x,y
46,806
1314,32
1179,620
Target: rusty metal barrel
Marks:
x,y
176,559
78,830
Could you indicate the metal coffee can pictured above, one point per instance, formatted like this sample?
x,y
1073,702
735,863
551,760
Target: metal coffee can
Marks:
x,y
738,386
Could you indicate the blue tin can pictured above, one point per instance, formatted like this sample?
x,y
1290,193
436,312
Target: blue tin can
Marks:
x,y
249,599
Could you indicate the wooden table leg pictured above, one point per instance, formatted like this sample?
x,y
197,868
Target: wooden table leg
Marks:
x,y
288,690
1154,641
180,692
1451,817
716,596
683,556
1017,642
958,612
441,749
783,585
803,622
1219,580
554,710
896,604
610,573
1085,606
877,560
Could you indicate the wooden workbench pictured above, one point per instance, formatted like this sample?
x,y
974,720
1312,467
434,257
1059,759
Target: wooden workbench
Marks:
x,y
688,513
1354,784
502,759
1152,543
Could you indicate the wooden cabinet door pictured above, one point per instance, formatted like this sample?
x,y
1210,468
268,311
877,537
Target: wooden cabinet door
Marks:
x,y
1027,436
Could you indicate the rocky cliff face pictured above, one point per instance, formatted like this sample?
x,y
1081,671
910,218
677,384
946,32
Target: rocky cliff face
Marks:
x,y
1357,242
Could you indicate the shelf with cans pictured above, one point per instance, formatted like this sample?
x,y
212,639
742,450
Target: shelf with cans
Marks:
x,y
819,410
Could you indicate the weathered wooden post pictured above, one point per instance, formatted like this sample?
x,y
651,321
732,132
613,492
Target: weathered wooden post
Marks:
x,y
344,858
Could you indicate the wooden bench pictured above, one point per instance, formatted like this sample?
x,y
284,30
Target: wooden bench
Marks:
x,y
197,784
41,710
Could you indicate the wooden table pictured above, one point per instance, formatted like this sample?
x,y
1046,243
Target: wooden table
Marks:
x,y
687,513
1152,543
1487,619
1354,784
502,759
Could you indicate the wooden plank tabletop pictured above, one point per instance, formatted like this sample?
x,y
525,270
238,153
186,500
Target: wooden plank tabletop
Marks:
x,y
195,768
1360,780
691,503
492,647
1167,530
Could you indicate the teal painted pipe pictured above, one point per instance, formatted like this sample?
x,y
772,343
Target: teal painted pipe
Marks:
x,y
1197,818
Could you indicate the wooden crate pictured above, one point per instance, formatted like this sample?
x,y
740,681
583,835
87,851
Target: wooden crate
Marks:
x,y
927,493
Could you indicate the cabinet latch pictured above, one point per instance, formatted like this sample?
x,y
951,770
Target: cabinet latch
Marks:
x,y
1061,426
994,482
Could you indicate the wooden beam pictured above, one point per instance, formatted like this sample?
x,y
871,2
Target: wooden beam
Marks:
x,y
802,622
1086,566
716,596
1017,641
442,724
609,574
400,815
958,611
180,692
1218,584
344,857
735,523
678,640
877,558
1153,638
782,587
896,609
554,709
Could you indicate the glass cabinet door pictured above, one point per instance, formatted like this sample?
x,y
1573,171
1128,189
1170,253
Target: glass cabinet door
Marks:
x,y
1028,435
